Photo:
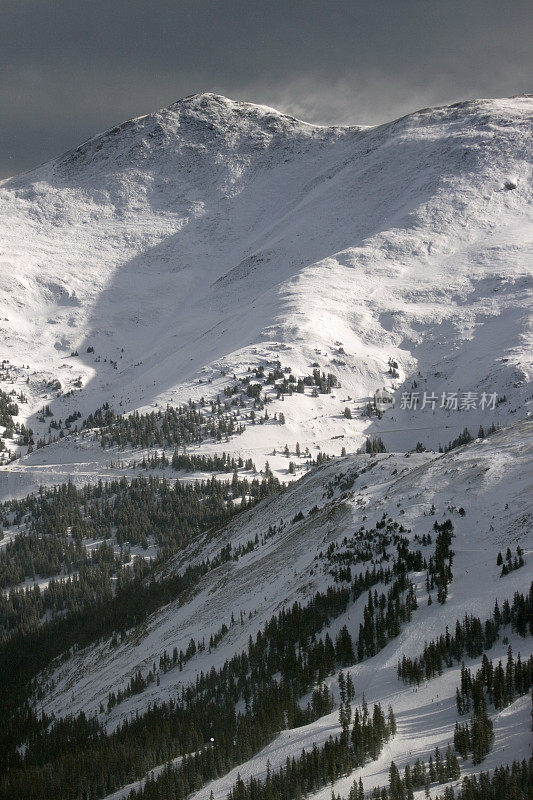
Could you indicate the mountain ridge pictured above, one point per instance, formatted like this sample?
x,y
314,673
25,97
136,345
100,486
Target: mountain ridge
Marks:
x,y
266,234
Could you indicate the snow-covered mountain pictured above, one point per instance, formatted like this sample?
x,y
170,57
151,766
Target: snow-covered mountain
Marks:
x,y
185,255
213,236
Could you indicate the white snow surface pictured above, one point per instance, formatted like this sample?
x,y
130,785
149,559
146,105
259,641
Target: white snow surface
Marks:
x,y
216,235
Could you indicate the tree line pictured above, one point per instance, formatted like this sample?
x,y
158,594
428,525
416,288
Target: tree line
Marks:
x,y
514,782
56,523
471,638
502,686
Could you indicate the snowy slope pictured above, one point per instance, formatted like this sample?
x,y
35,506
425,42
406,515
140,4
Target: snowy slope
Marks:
x,y
491,479
212,236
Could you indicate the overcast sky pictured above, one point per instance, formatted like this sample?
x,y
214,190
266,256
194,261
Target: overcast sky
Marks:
x,y
71,68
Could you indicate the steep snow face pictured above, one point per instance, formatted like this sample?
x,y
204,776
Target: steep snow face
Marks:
x,y
213,235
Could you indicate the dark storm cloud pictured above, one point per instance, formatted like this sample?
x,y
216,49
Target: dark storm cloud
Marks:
x,y
70,68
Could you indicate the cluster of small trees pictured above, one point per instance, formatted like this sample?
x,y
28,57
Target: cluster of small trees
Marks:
x,y
8,410
373,444
475,737
31,555
214,463
439,770
318,767
514,782
440,566
471,638
465,437
195,463
136,685
369,544
321,383
383,616
502,684
173,427
284,382
510,563
393,368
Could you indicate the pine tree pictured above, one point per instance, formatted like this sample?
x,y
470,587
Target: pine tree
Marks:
x,y
391,722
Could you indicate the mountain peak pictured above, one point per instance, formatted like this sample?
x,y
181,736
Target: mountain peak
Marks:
x,y
213,102
210,119
203,230
198,120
